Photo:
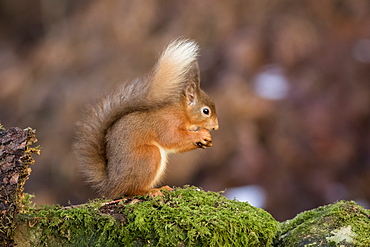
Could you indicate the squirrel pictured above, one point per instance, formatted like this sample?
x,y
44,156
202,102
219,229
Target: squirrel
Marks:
x,y
124,140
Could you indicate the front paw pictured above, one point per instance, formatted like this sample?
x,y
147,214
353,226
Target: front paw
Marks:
x,y
206,139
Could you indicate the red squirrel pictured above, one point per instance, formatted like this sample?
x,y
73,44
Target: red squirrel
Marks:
x,y
124,140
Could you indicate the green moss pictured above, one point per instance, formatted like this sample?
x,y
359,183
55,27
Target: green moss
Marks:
x,y
184,217
58,226
194,217
344,223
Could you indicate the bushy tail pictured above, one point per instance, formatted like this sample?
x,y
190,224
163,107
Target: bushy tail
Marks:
x,y
166,83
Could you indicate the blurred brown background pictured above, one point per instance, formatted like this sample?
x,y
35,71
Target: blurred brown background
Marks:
x,y
291,82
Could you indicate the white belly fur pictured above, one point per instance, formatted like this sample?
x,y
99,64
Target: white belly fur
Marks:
x,y
162,166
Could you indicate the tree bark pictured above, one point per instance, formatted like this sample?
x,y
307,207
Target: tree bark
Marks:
x,y
15,158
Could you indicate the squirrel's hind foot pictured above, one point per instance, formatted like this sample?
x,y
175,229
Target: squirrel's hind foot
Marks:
x,y
157,191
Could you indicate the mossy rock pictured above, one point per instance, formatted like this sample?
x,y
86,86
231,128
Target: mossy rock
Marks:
x,y
344,223
184,217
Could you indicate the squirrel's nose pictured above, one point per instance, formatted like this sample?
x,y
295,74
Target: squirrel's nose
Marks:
x,y
215,124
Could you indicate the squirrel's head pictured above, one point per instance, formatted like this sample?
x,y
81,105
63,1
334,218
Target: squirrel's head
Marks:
x,y
201,108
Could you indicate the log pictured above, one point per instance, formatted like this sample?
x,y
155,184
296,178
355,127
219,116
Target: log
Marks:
x,y
186,216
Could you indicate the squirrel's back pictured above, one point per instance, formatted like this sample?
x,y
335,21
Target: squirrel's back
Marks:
x,y
162,86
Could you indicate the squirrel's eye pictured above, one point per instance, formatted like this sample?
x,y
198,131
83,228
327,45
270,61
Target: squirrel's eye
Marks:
x,y
206,111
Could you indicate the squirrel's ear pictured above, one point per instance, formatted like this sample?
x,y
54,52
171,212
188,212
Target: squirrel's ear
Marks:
x,y
191,92
193,82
